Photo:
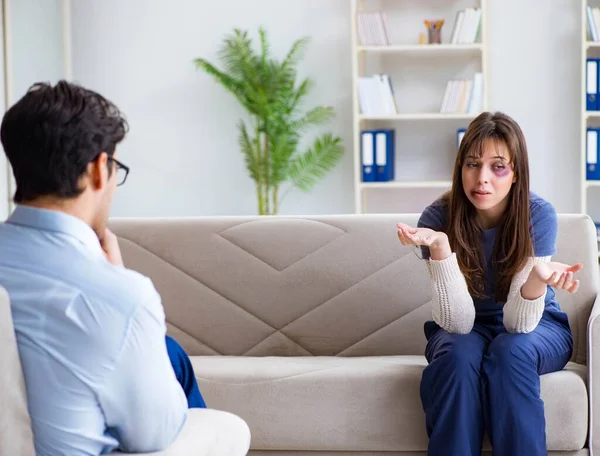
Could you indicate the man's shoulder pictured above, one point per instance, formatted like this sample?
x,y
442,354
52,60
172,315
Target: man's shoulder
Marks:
x,y
118,286
69,267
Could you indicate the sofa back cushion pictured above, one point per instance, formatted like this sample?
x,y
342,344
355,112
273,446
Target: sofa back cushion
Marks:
x,y
16,437
339,285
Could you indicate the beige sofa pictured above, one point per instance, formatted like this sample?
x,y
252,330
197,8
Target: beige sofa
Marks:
x,y
311,329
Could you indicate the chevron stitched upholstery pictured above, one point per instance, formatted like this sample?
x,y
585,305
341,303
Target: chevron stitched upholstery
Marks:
x,y
302,325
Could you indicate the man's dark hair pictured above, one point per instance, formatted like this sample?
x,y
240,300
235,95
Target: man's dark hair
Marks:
x,y
52,134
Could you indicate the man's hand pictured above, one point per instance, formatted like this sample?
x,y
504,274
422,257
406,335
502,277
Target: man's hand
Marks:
x,y
110,245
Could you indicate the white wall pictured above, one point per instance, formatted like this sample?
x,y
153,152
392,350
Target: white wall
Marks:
x,y
182,147
536,78
35,52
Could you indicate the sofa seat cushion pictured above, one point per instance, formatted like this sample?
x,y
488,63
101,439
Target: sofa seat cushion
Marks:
x,y
357,404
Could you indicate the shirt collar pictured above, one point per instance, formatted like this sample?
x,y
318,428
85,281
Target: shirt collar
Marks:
x,y
56,221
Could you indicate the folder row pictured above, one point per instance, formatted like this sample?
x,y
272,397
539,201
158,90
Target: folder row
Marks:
x,y
377,152
592,171
377,155
459,136
591,84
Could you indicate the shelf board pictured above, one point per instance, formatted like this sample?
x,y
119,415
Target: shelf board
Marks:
x,y
422,48
421,116
590,114
407,184
592,44
592,183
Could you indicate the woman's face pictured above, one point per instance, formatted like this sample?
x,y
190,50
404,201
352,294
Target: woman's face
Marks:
x,y
487,181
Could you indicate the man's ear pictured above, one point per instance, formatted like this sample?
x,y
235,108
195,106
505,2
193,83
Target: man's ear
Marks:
x,y
97,172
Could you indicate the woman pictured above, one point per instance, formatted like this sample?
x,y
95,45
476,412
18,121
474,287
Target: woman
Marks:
x,y
496,323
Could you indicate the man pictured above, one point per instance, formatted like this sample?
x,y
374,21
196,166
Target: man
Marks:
x,y
91,333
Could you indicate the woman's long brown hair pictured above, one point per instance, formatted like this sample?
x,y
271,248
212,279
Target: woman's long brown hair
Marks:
x,y
513,243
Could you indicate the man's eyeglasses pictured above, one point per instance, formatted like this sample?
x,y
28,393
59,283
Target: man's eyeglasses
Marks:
x,y
121,170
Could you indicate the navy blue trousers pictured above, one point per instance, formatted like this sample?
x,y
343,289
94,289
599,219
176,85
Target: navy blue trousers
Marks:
x,y
490,379
185,373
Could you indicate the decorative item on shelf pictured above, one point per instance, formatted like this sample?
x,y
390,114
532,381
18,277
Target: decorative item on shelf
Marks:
x,y
434,30
269,91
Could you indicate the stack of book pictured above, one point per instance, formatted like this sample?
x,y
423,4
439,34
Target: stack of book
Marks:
x,y
373,29
466,26
593,23
463,96
376,95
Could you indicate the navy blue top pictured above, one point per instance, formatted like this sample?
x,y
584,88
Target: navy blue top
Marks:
x,y
544,229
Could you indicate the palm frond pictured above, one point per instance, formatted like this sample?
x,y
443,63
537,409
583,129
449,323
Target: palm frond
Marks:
x,y
264,46
307,169
250,153
295,53
315,116
300,93
283,147
229,82
237,55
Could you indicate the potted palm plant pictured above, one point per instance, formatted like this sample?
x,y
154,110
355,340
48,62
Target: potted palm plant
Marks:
x,y
268,90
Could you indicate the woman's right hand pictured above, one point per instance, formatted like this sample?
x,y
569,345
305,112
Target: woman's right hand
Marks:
x,y
437,241
421,236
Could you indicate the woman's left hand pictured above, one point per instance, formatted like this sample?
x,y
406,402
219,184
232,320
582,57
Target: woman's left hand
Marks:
x,y
558,275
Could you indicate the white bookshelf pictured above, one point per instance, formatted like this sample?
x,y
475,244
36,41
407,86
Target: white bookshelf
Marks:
x,y
419,116
427,49
590,189
407,184
425,60
588,118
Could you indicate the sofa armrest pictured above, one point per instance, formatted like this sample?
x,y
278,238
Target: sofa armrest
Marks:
x,y
593,357
207,432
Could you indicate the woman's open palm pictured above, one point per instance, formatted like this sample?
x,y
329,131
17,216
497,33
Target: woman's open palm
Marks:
x,y
558,275
419,236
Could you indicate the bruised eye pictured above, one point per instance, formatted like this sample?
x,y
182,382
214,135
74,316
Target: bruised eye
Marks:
x,y
499,167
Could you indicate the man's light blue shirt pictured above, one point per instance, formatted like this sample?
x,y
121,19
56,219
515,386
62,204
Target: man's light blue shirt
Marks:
x,y
91,339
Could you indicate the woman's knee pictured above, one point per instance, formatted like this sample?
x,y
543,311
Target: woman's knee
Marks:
x,y
510,352
459,353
